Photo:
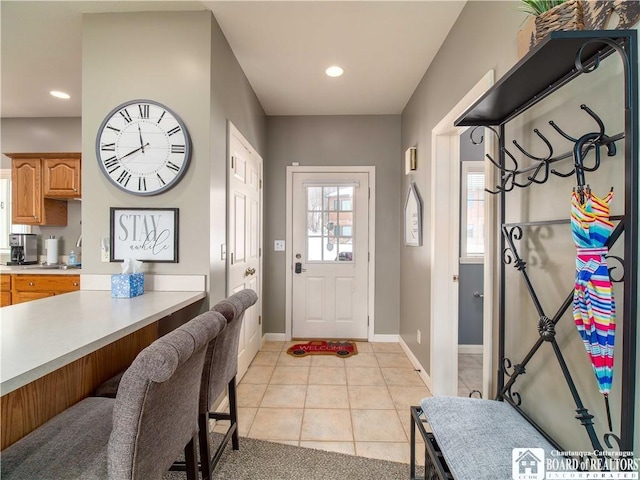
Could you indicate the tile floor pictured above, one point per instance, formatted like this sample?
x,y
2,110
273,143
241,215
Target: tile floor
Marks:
x,y
357,405
469,374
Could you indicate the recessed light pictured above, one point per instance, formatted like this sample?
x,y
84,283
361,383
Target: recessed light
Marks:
x,y
58,94
334,71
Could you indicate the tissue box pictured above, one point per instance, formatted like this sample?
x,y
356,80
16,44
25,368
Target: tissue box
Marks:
x,y
127,285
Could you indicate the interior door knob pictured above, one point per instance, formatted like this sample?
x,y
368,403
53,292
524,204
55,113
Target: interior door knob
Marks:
x,y
249,271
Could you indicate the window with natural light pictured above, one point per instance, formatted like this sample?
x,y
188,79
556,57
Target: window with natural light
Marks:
x,y
330,223
472,212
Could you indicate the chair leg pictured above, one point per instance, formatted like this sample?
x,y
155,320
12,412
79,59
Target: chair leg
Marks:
x,y
191,460
233,412
208,461
205,445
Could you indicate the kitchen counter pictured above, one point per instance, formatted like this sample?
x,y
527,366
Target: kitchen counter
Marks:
x,y
39,270
44,335
57,350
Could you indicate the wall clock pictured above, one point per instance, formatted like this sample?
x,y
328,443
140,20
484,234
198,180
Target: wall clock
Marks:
x,y
143,147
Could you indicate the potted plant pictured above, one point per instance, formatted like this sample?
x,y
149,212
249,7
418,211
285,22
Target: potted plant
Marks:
x,y
538,7
548,16
552,15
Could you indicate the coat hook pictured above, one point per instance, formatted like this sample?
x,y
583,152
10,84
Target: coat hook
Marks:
x,y
498,166
562,132
533,157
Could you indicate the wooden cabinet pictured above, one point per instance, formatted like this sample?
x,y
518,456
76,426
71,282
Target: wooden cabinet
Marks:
x,y
25,288
5,290
61,177
40,184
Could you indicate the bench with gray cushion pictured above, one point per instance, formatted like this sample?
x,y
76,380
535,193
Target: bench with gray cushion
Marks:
x,y
471,438
137,435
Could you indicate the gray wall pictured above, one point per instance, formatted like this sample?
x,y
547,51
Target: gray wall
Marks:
x,y
470,307
328,141
232,99
483,38
189,67
23,135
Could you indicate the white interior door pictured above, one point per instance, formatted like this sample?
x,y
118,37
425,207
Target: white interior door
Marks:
x,y
245,239
330,250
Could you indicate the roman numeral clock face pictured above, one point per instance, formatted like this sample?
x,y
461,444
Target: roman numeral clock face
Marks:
x,y
143,147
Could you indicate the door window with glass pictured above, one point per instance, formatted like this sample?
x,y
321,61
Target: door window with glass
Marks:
x,y
330,228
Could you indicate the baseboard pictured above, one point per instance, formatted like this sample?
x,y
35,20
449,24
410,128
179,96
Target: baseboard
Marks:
x,y
386,338
281,337
416,364
273,337
471,349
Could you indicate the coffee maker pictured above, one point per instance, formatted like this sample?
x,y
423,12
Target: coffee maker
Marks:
x,y
24,249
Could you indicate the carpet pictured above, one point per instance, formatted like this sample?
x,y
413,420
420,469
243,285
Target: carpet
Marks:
x,y
341,348
261,460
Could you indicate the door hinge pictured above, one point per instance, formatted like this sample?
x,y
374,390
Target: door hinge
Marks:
x,y
369,193
260,183
259,319
231,258
367,320
368,256
260,251
232,161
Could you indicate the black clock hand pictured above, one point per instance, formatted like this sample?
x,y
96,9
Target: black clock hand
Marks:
x,y
140,134
134,151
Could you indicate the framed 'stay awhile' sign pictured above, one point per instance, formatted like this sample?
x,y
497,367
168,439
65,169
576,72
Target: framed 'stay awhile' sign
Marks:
x,y
146,234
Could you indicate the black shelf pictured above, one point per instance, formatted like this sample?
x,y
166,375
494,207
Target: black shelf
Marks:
x,y
543,70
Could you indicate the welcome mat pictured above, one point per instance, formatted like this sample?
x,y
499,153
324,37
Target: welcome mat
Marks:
x,y
341,348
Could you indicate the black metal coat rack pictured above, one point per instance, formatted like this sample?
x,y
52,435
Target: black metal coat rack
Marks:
x,y
559,59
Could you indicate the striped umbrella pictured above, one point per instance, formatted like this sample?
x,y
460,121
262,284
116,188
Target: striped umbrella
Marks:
x,y
593,302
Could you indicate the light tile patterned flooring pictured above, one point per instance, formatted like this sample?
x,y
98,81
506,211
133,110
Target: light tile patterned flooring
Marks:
x,y
357,405
469,374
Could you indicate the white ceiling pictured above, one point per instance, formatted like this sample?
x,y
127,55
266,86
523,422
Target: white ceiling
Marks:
x,y
385,47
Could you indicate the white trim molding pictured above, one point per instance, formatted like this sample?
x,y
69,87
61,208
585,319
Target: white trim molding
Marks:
x,y
416,364
444,247
274,337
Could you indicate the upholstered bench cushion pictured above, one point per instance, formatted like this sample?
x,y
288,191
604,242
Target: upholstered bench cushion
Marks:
x,y
73,444
477,436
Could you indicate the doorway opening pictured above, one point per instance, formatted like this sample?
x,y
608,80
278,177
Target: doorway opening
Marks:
x,y
471,264
445,250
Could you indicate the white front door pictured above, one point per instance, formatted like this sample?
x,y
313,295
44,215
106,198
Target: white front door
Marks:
x,y
330,248
245,239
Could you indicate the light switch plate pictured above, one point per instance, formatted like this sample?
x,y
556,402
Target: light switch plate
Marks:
x,y
104,250
278,245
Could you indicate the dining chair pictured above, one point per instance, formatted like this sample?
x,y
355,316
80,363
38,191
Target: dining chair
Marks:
x,y
137,435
